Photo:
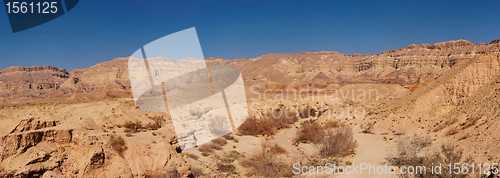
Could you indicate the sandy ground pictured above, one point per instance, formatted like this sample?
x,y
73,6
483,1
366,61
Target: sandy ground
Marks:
x,y
372,150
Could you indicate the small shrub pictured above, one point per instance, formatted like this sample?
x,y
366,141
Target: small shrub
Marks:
x,y
338,142
158,122
209,147
411,153
253,126
219,141
266,163
311,132
135,127
234,154
205,154
276,149
132,127
118,144
268,125
228,137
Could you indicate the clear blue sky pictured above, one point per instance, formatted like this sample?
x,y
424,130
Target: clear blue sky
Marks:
x,y
99,30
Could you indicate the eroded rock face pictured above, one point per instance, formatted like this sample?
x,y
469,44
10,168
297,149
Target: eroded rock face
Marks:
x,y
29,133
104,80
405,66
68,147
32,124
39,81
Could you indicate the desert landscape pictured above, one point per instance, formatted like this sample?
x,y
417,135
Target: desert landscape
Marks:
x,y
421,104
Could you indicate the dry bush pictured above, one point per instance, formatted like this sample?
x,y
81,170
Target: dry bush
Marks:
x,y
118,144
269,124
311,132
209,147
409,146
219,141
253,126
275,148
266,163
158,122
228,137
411,153
337,142
233,154
132,127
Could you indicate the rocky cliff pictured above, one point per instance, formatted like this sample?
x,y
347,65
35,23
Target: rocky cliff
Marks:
x,y
407,66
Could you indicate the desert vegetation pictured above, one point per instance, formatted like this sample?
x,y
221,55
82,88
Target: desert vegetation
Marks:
x,y
338,142
118,144
135,127
266,162
333,138
311,132
269,124
417,151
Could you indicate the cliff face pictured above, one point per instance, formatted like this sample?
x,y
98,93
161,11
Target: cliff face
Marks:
x,y
410,66
407,66
41,81
107,79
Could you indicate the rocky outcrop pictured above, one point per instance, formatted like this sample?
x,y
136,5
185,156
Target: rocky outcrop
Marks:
x,y
32,124
104,80
40,81
21,142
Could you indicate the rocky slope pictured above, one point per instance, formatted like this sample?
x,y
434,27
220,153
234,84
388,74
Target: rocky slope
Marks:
x,y
408,66
447,90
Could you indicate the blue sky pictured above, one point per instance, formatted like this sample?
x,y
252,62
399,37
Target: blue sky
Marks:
x,y
97,30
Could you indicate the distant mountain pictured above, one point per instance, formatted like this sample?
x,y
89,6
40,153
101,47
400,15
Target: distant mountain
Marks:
x,y
409,66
